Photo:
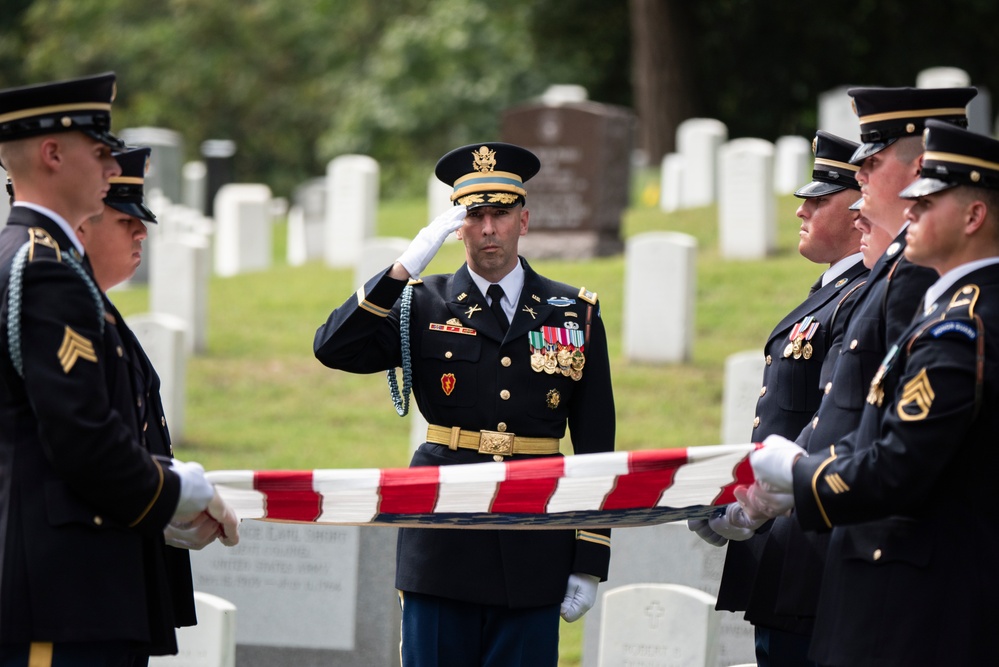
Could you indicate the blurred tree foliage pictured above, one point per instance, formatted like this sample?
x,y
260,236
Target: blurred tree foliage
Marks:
x,y
296,82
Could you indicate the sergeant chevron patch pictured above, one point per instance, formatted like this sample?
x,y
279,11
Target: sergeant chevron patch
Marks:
x,y
917,397
74,346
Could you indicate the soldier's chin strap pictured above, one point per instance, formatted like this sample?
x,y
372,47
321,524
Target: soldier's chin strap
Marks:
x,y
401,399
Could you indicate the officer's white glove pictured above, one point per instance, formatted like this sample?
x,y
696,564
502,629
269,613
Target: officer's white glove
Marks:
x,y
735,524
580,595
226,516
428,241
761,503
195,535
704,531
772,465
195,491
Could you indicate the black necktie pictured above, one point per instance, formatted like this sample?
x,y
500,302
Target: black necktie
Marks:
x,y
815,286
495,292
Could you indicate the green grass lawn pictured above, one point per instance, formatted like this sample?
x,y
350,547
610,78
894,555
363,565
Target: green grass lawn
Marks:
x,y
258,399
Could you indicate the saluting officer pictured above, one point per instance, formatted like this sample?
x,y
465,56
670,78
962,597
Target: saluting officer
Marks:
x,y
799,362
502,360
83,503
909,496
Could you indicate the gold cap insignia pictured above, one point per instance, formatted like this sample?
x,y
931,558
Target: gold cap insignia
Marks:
x,y
910,127
483,160
975,176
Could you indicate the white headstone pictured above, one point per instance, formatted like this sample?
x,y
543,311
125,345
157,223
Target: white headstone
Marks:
x,y
942,77
162,338
698,141
352,202
743,378
671,183
417,425
178,285
836,114
669,554
377,254
306,222
564,93
659,314
438,198
165,160
244,230
194,183
210,643
747,207
658,624
792,164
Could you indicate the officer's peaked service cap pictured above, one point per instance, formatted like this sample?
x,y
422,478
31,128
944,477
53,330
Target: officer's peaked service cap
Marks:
x,y
888,114
954,156
125,193
82,105
832,171
488,174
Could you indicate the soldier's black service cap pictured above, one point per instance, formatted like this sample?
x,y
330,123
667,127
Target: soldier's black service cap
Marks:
x,y
125,193
954,156
888,114
82,105
832,171
488,174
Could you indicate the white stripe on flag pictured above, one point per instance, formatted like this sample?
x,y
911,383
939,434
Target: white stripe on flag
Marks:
x,y
349,496
587,481
469,488
708,469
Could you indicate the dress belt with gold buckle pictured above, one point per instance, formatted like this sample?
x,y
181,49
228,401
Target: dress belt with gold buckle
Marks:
x,y
497,443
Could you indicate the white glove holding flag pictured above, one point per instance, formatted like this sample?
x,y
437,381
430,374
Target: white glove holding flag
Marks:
x,y
772,465
580,595
735,524
195,491
705,532
195,535
760,503
429,240
226,516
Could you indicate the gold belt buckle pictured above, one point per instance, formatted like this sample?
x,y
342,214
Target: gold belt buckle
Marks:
x,y
496,443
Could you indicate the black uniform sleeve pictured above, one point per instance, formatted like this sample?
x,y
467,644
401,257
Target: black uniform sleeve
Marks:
x,y
85,439
921,429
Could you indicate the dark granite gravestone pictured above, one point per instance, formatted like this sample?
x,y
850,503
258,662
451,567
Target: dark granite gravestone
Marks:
x,y
577,199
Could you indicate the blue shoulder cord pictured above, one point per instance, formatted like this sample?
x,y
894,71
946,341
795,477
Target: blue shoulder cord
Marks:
x,y
401,401
14,297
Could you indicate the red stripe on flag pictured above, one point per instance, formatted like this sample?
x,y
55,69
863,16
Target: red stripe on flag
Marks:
x,y
650,473
408,490
743,476
528,485
288,494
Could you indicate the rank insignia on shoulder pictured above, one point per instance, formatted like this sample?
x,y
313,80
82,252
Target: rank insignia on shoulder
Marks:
x,y
917,398
560,301
74,347
588,297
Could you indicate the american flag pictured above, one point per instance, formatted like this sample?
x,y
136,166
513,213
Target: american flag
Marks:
x,y
606,490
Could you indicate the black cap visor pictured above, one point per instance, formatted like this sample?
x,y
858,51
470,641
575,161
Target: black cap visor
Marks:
x,y
134,209
855,206
818,189
868,149
925,186
103,136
